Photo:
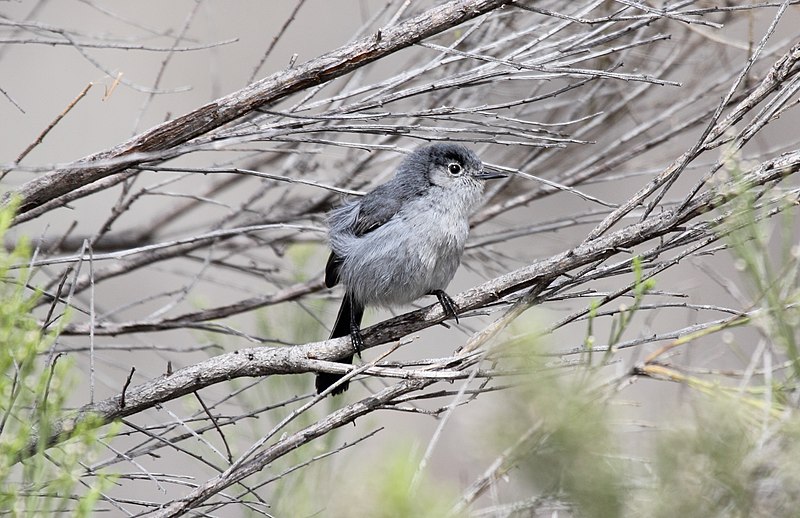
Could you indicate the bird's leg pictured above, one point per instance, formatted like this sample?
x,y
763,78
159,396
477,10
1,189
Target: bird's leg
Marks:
x,y
448,305
355,333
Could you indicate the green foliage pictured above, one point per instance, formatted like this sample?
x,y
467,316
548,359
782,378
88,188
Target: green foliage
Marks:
x,y
735,457
621,322
700,469
723,464
388,490
567,449
34,386
641,287
772,277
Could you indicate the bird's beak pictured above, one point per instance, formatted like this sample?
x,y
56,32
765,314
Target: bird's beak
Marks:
x,y
485,175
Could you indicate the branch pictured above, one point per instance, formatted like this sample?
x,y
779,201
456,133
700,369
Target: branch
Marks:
x,y
158,141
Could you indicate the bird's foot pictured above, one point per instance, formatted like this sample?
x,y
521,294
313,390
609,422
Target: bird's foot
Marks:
x,y
355,337
448,305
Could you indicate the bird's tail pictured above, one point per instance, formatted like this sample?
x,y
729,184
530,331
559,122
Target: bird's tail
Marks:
x,y
349,313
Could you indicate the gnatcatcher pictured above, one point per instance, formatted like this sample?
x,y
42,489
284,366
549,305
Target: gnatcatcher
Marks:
x,y
404,239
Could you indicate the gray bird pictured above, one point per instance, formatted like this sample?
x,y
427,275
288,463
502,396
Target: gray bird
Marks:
x,y
404,239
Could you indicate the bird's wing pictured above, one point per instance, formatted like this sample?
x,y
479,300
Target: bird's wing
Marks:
x,y
374,210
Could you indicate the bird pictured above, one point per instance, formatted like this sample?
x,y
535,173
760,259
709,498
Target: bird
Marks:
x,y
403,240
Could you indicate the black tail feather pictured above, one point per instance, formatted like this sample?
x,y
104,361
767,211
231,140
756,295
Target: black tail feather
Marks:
x,y
349,317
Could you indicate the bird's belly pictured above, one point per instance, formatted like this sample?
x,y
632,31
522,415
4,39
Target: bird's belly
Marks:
x,y
404,260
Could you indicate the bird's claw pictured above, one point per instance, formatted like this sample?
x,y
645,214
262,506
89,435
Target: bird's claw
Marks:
x,y
448,304
358,342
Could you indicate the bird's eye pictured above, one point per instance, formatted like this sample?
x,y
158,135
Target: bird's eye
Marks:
x,y
454,168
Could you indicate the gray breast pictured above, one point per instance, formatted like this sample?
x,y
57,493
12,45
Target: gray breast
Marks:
x,y
416,252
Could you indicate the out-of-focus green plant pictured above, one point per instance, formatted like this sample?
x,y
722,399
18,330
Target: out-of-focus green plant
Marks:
x,y
641,287
388,489
557,429
33,389
700,469
769,269
723,463
736,454
735,458
621,322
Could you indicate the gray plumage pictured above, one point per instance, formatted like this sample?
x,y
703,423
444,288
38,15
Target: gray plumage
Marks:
x,y
404,239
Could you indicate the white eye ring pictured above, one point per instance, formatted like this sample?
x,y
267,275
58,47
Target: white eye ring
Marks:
x,y
454,168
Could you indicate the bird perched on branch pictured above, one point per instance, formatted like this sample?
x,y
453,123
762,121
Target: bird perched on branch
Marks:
x,y
404,239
